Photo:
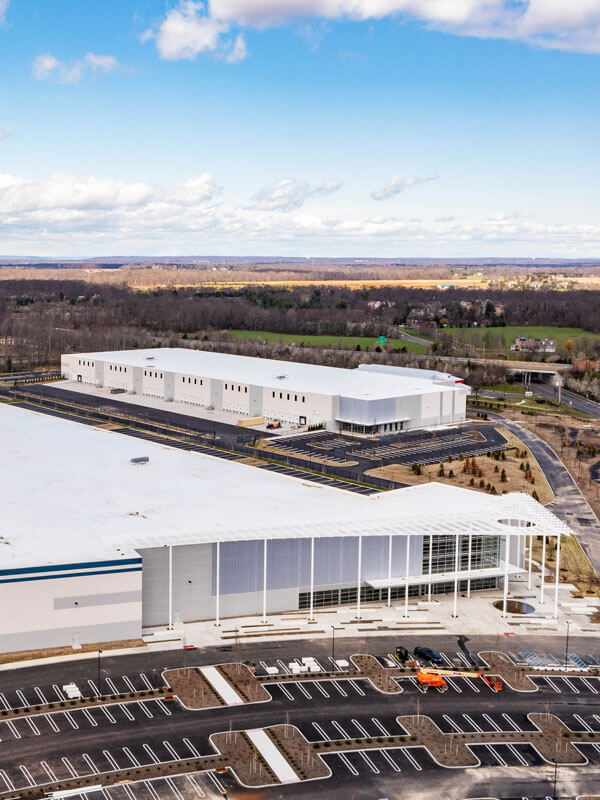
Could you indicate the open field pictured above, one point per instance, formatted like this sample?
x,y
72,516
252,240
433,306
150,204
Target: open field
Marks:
x,y
575,567
349,342
507,335
516,480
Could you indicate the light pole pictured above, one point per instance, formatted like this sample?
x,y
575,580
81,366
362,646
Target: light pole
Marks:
x,y
555,768
567,643
333,645
99,654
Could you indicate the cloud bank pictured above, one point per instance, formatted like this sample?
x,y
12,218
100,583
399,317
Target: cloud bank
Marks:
x,y
288,194
195,27
3,7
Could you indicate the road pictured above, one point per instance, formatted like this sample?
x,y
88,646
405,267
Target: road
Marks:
x,y
575,400
83,740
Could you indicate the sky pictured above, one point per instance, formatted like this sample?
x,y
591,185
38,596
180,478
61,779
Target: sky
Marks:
x,y
341,128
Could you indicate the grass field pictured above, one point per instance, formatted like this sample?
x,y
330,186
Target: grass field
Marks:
x,y
510,332
348,342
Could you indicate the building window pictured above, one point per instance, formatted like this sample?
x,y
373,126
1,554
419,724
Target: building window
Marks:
x,y
183,379
239,388
225,385
246,389
200,381
195,383
281,395
295,398
288,397
303,399
273,394
161,374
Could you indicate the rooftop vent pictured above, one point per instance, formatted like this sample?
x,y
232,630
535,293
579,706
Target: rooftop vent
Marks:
x,y
281,377
140,460
149,358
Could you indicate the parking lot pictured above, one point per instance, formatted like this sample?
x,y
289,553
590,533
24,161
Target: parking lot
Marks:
x,y
85,741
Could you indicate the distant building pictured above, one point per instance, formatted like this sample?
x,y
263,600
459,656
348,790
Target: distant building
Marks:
x,y
527,344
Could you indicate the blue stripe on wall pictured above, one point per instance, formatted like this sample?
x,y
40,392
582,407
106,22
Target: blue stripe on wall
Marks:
x,y
70,575
60,567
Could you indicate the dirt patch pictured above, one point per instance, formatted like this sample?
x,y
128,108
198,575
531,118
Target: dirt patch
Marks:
x,y
504,474
382,678
243,681
575,567
298,752
31,655
244,759
192,688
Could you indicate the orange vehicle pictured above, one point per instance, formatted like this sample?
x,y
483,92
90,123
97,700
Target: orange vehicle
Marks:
x,y
430,677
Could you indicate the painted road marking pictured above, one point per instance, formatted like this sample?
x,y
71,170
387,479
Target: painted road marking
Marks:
x,y
27,775
127,712
130,756
357,688
589,685
194,784
146,681
70,767
217,782
390,760
405,751
128,683
174,789
151,753
9,784
147,712
494,725
512,723
163,707
110,759
518,755
89,717
13,729
319,688
378,724
171,750
286,691
337,686
363,755
112,686
152,790
304,691
108,715
571,685
190,747
552,685
90,763
94,688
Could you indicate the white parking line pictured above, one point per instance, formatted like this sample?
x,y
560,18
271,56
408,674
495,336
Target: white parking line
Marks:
x,y
34,727
151,753
378,724
112,686
356,688
190,747
348,764
27,775
128,683
126,711
163,708
174,788
110,759
363,755
146,681
217,782
336,685
416,683
89,717
146,711
108,715
9,784
390,761
194,784
521,758
22,698
496,755
94,769
494,724
304,691
58,692
511,722
40,694
411,758
131,757
95,690
552,685
12,728
48,771
571,685
321,732
152,790
472,722
320,688
169,747
452,723
283,667
359,727
286,692
589,685
4,701
70,767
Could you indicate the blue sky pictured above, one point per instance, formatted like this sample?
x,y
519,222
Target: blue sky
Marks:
x,y
300,127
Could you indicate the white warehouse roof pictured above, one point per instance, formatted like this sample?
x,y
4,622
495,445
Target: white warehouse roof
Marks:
x,y
71,494
272,374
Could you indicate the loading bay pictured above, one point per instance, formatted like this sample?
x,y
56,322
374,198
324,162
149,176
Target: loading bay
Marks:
x,y
64,745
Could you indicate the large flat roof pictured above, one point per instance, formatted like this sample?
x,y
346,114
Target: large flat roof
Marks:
x,y
281,375
70,494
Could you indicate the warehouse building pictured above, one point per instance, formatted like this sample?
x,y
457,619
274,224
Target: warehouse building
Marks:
x,y
363,401
96,547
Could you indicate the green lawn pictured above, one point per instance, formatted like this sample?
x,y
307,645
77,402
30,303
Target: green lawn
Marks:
x,y
507,388
506,336
349,342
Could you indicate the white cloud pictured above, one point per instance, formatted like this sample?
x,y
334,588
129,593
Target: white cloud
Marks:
x,y
238,52
47,66
4,134
560,24
288,194
398,185
188,30
3,7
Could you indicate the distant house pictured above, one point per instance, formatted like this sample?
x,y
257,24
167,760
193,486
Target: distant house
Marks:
x,y
527,344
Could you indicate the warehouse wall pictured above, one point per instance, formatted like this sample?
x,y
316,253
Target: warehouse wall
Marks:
x,y
241,574
62,611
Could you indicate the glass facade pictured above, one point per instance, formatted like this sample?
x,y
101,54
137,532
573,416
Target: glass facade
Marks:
x,y
340,597
485,553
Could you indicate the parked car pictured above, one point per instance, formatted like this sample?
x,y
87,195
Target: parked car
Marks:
x,y
428,654
402,655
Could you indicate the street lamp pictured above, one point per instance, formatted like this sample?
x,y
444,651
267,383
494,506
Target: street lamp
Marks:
x,y
567,643
555,768
99,654
333,645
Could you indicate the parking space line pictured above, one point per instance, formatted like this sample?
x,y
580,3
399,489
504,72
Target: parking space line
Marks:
x,y
146,681
174,788
390,760
194,784
112,686
22,698
494,724
126,711
48,771
363,755
304,691
216,782
319,688
130,756
496,755
405,751
512,723
163,708
90,763
452,724
571,685
171,750
110,759
519,756
129,792
286,691
321,732
146,711
283,667
339,689
190,747
128,683
4,701
151,753
58,692
378,724
27,775
552,685
9,784
95,690
108,715
589,685
348,764
472,722
89,717
152,790
12,728
416,683
40,694
34,727
70,767
359,727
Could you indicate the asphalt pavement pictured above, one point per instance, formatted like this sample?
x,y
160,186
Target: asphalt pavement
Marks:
x,y
34,749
